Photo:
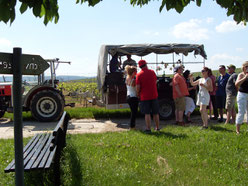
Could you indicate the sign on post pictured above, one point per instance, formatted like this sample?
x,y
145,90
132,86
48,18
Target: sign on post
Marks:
x,y
31,64
20,64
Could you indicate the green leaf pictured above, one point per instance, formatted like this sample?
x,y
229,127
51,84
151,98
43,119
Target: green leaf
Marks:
x,y
12,16
162,5
37,10
23,7
43,11
179,8
4,13
198,2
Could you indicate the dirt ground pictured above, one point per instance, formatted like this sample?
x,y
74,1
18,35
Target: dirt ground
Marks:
x,y
30,128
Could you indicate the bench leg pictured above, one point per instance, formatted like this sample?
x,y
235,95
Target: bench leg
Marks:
x,y
57,168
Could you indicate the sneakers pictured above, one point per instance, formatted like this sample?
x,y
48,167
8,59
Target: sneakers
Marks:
x,y
147,131
187,120
157,129
204,128
213,118
181,123
220,120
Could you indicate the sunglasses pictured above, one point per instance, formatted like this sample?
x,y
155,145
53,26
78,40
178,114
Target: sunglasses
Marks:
x,y
203,71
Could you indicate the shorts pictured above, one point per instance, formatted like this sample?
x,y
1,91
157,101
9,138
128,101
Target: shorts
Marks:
x,y
230,102
180,103
149,106
220,102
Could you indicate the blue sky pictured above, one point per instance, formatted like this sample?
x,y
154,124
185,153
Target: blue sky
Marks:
x,y
81,31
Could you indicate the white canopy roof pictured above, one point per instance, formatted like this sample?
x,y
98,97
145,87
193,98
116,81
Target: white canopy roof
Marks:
x,y
142,50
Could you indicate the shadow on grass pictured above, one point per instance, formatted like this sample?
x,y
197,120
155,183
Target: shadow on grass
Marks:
x,y
218,128
37,177
73,160
166,135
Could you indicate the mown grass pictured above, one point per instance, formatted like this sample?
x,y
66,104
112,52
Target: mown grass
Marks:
x,y
90,112
82,112
174,156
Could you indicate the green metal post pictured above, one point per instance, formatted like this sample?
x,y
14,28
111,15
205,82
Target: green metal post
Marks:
x,y
17,100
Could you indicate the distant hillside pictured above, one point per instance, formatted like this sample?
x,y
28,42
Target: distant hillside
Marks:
x,y
34,78
70,78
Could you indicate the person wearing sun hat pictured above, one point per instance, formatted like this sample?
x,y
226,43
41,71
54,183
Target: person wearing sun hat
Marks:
x,y
179,90
146,85
231,93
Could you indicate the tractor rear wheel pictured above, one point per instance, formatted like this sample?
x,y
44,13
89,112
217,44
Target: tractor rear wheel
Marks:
x,y
47,105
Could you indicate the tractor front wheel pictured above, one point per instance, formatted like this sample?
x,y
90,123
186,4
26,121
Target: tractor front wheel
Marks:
x,y
47,105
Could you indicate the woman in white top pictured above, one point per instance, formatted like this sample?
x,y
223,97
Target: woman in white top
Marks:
x,y
132,98
203,97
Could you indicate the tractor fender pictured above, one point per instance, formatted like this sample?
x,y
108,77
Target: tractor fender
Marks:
x,y
28,97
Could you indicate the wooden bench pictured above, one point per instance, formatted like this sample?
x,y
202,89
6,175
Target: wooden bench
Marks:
x,y
44,149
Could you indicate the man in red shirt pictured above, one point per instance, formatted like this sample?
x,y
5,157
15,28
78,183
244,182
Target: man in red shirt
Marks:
x,y
146,85
180,90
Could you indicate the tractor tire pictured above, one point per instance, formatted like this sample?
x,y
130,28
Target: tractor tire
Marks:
x,y
166,109
2,112
47,105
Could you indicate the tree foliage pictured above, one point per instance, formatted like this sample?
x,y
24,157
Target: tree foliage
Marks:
x,y
48,9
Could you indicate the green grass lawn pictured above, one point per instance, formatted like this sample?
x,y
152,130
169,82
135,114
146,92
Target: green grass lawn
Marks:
x,y
174,156
90,112
82,112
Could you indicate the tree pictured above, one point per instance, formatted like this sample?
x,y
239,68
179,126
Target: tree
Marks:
x,y
49,8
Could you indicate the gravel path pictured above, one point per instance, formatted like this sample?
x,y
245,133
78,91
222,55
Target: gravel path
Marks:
x,y
30,128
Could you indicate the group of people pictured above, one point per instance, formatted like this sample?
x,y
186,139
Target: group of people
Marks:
x,y
219,94
216,94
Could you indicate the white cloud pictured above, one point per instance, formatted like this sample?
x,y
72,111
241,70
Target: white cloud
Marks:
x,y
224,59
229,26
151,33
4,43
210,19
192,30
239,49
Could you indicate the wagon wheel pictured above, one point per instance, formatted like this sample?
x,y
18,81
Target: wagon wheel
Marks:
x,y
166,109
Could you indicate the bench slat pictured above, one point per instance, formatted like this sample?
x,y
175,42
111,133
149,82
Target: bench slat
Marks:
x,y
27,155
40,146
50,158
34,149
30,142
38,160
32,145
11,166
45,158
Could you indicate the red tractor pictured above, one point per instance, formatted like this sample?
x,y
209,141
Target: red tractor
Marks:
x,y
43,99
5,97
